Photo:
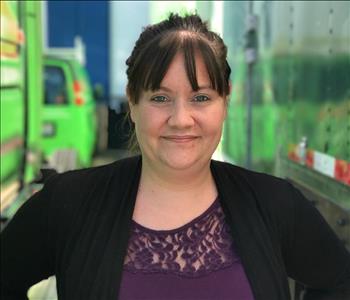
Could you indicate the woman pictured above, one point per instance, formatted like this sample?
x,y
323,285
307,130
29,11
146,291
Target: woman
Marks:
x,y
172,223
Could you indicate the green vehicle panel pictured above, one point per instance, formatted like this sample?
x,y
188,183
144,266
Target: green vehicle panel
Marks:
x,y
21,97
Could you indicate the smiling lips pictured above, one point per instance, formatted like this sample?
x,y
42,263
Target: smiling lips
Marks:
x,y
180,138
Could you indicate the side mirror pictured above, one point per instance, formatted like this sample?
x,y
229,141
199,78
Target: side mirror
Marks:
x,y
98,92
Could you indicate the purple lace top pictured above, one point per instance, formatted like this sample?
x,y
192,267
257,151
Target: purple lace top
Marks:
x,y
195,261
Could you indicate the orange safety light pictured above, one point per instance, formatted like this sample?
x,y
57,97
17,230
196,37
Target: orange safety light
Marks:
x,y
77,87
79,101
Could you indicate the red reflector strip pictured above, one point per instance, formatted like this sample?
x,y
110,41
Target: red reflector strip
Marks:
x,y
342,171
322,163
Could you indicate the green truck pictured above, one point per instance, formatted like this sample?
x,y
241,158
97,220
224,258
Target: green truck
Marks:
x,y
48,118
69,115
21,97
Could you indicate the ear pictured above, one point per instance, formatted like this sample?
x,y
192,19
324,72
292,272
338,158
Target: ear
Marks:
x,y
227,99
230,88
131,105
225,113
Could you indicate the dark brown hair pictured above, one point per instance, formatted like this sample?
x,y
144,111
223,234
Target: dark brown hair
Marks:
x,y
159,43
156,48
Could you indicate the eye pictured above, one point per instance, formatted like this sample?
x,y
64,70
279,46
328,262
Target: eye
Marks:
x,y
201,98
159,99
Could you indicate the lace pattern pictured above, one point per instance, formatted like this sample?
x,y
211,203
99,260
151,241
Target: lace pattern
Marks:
x,y
198,248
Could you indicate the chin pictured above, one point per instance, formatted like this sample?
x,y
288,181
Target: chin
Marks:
x,y
182,163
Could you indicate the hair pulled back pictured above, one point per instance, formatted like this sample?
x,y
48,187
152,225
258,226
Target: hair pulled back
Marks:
x,y
159,43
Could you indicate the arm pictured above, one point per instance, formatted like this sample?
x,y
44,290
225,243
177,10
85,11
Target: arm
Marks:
x,y
313,254
25,254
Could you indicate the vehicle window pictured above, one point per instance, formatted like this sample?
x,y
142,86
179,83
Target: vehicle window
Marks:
x,y
55,86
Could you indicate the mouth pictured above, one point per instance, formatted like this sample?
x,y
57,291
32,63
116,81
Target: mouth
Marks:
x,y
180,138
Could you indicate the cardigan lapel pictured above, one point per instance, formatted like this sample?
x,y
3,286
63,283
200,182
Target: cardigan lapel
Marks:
x,y
250,234
124,192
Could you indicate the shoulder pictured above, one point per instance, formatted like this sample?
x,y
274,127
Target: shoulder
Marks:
x,y
88,178
75,196
71,190
102,172
254,181
275,198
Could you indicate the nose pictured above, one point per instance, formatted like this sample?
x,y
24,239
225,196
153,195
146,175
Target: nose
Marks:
x,y
181,115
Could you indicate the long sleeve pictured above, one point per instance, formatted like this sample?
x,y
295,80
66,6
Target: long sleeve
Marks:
x,y
25,254
313,254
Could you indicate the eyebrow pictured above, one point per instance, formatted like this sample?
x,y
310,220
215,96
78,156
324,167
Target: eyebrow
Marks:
x,y
204,87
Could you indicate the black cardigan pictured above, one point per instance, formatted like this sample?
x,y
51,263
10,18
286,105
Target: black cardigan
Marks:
x,y
77,228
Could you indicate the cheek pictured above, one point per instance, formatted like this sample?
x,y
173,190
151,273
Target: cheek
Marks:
x,y
149,122
216,120
223,114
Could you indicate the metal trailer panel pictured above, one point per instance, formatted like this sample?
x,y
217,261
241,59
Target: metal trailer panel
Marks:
x,y
301,102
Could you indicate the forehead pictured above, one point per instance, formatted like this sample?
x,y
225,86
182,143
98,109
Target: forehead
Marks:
x,y
177,73
192,57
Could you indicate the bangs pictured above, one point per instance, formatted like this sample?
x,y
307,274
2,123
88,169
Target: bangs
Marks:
x,y
159,53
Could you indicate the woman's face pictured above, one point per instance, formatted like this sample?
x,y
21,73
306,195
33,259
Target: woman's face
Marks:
x,y
175,126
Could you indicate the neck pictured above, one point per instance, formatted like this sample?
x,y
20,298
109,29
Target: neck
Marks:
x,y
171,179
192,185
167,199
